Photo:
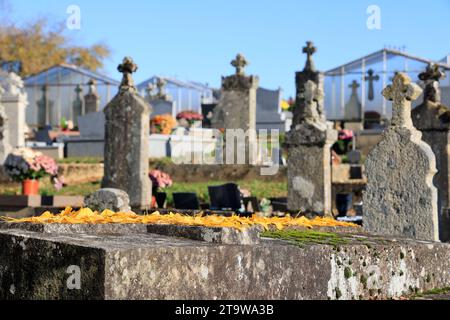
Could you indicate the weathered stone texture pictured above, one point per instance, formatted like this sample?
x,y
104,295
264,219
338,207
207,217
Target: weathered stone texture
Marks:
x,y
112,199
309,172
127,129
400,198
237,105
309,143
34,266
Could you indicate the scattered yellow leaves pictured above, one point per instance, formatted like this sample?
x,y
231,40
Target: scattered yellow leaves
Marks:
x,y
87,216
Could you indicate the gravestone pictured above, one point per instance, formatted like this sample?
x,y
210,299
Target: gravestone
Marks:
x,y
353,108
309,73
92,99
400,199
268,110
309,144
235,111
5,146
309,158
161,103
127,129
77,105
236,108
432,118
15,102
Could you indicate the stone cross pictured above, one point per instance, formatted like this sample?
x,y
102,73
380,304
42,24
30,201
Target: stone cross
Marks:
x,y
371,78
309,50
401,93
239,63
400,198
91,99
128,67
127,129
354,86
431,77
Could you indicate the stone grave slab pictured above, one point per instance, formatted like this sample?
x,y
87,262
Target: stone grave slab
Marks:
x,y
147,266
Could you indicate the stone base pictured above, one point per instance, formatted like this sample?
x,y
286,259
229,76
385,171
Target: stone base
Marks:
x,y
146,266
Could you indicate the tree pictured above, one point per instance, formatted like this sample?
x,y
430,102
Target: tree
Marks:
x,y
39,46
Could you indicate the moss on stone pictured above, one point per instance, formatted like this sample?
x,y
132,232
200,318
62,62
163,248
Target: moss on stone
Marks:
x,y
348,273
302,238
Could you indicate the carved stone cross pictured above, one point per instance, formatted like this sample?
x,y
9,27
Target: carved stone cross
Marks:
x,y
239,63
128,67
309,50
78,90
431,77
371,78
354,86
401,93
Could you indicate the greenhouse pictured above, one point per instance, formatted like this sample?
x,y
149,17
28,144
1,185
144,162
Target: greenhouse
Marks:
x,y
354,90
55,91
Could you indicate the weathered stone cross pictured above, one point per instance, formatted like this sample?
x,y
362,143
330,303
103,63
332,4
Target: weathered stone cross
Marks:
x,y
309,50
239,63
354,86
401,93
371,78
78,90
431,77
128,67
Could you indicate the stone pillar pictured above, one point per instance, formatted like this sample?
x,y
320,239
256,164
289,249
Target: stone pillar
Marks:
x,y
400,199
15,101
433,120
5,146
91,99
126,141
309,143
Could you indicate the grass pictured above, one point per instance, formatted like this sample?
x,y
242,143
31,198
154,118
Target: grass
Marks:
x,y
259,189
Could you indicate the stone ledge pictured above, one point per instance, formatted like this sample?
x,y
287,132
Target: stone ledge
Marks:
x,y
147,266
198,233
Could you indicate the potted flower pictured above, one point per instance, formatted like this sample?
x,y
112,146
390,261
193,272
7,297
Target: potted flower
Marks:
x,y
162,124
160,181
26,166
189,118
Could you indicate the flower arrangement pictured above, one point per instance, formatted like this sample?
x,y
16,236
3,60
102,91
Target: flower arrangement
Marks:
x,y
25,164
190,116
162,124
160,180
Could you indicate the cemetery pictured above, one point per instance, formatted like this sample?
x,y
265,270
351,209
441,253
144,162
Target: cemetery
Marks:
x,y
175,190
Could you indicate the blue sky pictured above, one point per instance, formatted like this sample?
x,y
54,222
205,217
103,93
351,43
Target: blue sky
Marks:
x,y
196,39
